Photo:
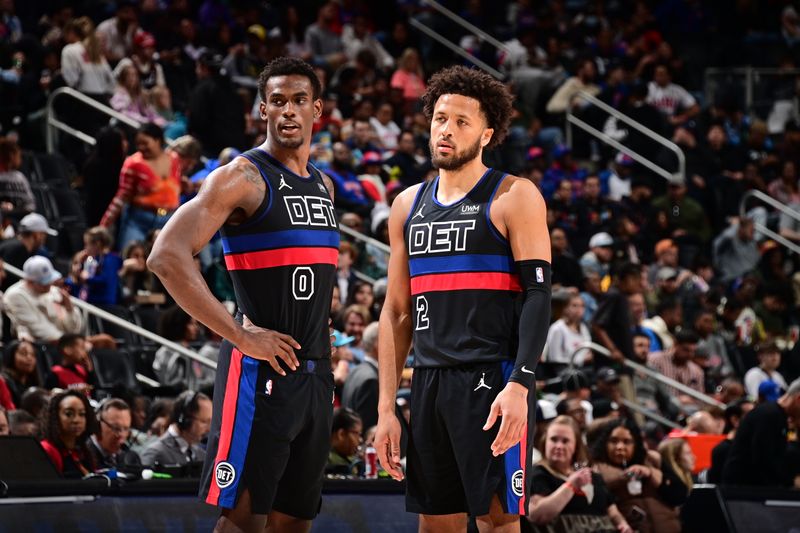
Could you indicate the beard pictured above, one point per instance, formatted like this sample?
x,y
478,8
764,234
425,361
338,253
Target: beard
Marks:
x,y
288,142
457,159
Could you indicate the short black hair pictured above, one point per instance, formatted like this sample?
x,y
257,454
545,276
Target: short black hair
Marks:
x,y
67,340
152,130
496,101
686,336
288,66
172,323
668,303
344,418
628,269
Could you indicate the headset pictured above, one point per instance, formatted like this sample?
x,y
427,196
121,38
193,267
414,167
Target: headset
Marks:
x,y
184,409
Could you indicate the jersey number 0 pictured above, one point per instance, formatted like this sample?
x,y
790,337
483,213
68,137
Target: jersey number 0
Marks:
x,y
303,283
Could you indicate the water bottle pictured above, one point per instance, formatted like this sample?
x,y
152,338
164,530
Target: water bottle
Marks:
x,y
90,266
370,462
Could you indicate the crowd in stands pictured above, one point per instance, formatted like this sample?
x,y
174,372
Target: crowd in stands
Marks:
x,y
675,276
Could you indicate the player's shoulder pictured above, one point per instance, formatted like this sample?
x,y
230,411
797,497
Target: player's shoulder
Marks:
x,y
518,189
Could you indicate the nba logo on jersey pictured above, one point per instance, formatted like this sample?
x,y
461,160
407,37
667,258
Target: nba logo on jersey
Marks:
x,y
539,275
268,388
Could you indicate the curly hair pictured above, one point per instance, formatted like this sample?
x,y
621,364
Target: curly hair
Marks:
x,y
598,445
493,96
51,424
288,66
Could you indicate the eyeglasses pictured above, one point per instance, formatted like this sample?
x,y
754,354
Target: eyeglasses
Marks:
x,y
117,430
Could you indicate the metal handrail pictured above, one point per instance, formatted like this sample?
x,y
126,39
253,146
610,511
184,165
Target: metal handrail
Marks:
x,y
750,74
467,25
454,48
649,372
650,414
53,122
780,206
361,237
677,177
105,315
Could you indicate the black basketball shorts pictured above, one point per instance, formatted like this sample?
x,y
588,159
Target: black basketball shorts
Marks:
x,y
270,434
450,467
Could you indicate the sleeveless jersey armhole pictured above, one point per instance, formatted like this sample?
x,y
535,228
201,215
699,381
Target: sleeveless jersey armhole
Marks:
x,y
266,203
417,198
492,228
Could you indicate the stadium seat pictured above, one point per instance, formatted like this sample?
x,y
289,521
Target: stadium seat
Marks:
x,y
114,368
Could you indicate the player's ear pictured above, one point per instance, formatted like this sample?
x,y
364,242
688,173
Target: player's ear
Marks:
x,y
262,110
486,137
317,108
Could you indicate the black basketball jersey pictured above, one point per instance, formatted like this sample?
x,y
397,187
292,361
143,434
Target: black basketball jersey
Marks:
x,y
283,259
465,290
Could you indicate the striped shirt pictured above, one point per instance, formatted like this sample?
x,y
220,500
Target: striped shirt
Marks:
x,y
690,374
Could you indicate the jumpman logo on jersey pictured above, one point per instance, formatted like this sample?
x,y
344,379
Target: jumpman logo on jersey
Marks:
x,y
482,384
419,213
283,184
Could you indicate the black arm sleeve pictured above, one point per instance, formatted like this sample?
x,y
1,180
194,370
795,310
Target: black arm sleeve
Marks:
x,y
534,320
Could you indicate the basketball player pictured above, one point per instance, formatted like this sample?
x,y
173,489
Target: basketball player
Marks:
x,y
270,433
469,279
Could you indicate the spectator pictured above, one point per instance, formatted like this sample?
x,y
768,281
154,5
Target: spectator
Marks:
x,y
575,386
620,177
19,369
668,317
611,325
346,432
35,401
180,444
324,41
598,257
665,254
786,188
633,477
357,36
216,112
151,73
15,191
564,485
712,346
76,371
566,269
116,34
108,445
155,425
361,388
677,363
130,100
172,367
736,251
22,424
361,141
758,454
67,425
349,192
409,79
583,81
567,334
677,465
592,294
361,294
149,188
356,318
345,277
403,165
651,393
598,212
102,170
39,310
563,169
769,359
734,413
83,65
573,408
671,99
32,235
101,267
386,130
688,216
638,311
134,276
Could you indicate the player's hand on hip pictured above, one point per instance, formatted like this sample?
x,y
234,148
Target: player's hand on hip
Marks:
x,y
387,444
268,345
511,405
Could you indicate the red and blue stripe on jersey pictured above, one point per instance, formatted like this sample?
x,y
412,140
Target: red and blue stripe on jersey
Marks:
x,y
281,248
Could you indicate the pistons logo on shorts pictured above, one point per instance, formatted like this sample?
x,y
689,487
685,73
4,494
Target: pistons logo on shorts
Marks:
x,y
517,482
268,388
224,474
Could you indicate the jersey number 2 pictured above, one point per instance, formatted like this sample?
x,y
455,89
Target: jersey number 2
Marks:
x,y
422,313
303,283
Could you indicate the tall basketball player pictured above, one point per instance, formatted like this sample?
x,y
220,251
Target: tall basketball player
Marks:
x,y
469,281
271,426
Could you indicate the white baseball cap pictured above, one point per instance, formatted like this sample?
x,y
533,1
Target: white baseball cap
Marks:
x,y
601,239
36,222
39,269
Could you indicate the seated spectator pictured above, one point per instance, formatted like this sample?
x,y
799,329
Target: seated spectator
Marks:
x,y
758,454
598,257
633,476
324,41
575,386
76,370
30,238
361,141
83,65
567,334
360,391
130,100
349,192
769,359
149,188
355,318
566,269
154,426
677,464
583,81
21,423
638,310
346,433
386,130
15,191
180,444
573,408
563,168
39,310
736,250
677,363
19,369
117,33
671,99
667,319
100,273
684,213
134,277
35,401
563,484
143,59
611,324
409,78
734,413
172,367
67,425
651,393
108,445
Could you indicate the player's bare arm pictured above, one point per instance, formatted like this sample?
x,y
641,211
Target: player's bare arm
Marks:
x,y
519,212
394,337
229,195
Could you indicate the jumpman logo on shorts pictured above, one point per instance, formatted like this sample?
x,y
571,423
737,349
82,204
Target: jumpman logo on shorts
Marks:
x,y
482,383
419,213
283,184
